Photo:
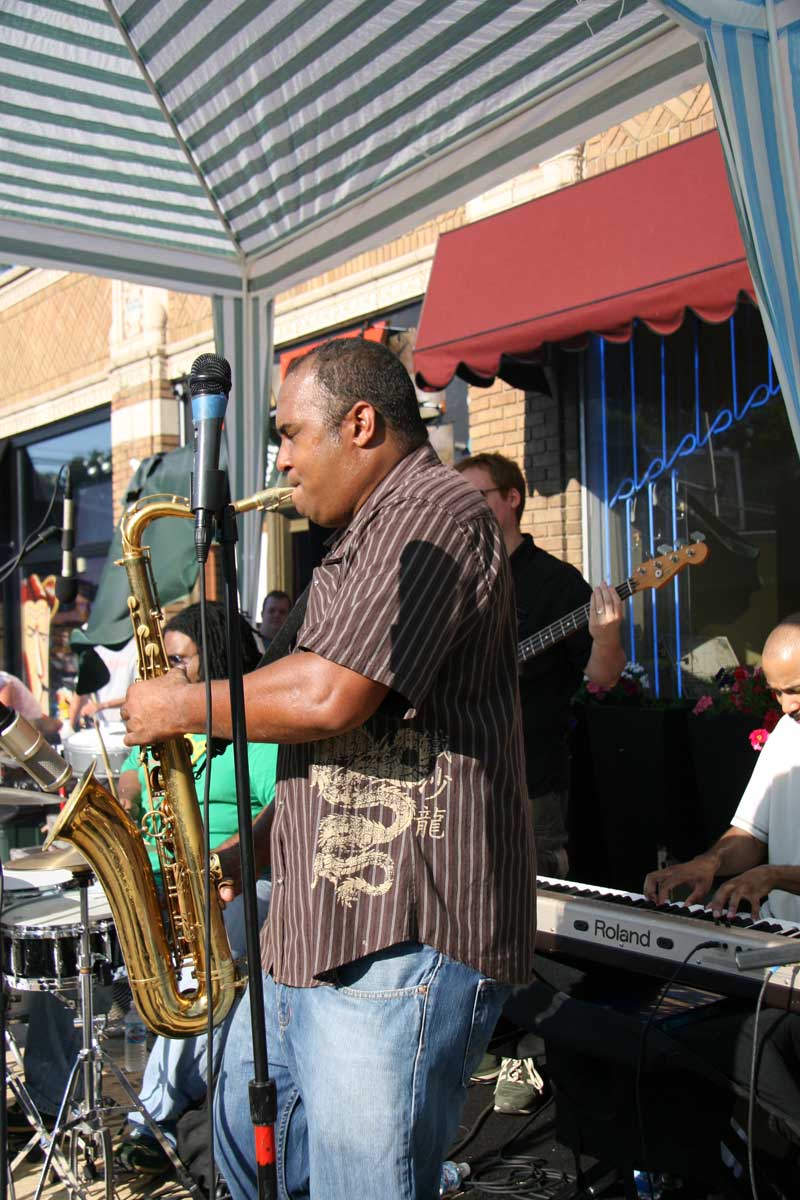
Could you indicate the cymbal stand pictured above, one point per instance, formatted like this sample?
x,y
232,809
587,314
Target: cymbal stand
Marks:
x,y
83,1121
39,1135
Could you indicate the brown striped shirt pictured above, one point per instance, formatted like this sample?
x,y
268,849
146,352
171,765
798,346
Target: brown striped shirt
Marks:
x,y
415,826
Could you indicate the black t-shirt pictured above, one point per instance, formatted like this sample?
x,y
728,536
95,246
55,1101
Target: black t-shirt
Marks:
x,y
547,589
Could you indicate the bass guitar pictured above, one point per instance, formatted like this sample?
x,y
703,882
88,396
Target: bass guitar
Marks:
x,y
651,574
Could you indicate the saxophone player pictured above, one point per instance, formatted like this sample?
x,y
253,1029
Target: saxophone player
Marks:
x,y
400,840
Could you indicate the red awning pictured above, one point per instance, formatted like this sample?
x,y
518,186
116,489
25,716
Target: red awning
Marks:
x,y
646,241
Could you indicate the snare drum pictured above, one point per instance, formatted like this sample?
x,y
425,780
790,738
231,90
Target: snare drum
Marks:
x,y
41,940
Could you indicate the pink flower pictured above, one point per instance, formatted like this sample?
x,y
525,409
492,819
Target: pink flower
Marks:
x,y
594,689
702,704
758,738
741,673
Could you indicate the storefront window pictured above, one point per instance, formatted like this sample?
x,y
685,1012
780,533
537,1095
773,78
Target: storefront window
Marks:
x,y
87,452
688,435
42,624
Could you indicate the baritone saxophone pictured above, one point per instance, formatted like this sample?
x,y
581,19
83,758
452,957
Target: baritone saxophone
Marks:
x,y
158,948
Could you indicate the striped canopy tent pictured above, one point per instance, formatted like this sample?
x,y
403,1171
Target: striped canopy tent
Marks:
x,y
235,148
752,53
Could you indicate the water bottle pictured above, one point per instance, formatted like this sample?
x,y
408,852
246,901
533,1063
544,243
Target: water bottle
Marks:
x,y
135,1041
452,1176
648,1184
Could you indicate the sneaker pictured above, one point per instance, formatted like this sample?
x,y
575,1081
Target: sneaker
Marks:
x,y
520,1087
18,1125
144,1156
487,1069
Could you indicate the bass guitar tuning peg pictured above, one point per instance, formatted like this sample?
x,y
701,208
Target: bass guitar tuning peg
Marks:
x,y
663,549
697,536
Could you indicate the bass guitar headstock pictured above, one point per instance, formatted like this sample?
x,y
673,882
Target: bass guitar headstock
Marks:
x,y
668,562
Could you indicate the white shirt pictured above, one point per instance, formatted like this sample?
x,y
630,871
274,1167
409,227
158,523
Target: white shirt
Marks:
x,y
122,669
770,810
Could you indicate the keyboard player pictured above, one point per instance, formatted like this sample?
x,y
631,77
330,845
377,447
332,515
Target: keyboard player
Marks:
x,y
760,852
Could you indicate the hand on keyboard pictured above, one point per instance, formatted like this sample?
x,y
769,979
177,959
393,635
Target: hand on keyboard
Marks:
x,y
698,874
752,885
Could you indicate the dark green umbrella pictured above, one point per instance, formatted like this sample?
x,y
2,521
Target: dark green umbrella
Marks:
x,y
172,553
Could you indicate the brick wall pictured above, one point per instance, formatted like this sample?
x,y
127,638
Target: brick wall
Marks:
x,y
683,117
55,337
187,317
541,434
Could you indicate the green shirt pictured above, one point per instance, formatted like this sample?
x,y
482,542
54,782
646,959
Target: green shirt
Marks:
x,y
223,821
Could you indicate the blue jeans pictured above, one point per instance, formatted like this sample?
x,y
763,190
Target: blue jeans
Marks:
x,y
174,1078
371,1074
51,1046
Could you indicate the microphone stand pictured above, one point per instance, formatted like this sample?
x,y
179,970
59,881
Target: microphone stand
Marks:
x,y
262,1092
4,1152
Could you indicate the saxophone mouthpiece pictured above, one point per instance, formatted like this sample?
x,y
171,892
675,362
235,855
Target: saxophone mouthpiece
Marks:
x,y
269,500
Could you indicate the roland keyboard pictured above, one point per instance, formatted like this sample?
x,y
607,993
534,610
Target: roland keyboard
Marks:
x,y
589,924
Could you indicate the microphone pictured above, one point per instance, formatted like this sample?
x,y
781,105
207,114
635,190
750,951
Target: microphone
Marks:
x,y
209,385
25,744
67,584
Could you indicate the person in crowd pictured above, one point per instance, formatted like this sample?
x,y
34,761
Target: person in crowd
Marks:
x,y
546,589
758,858
403,903
106,674
274,612
15,694
174,1078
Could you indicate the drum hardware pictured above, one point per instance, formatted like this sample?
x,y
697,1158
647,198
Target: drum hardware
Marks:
x,y
39,1134
83,1123
66,858
27,798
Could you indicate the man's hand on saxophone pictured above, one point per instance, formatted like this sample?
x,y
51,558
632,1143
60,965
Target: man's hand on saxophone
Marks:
x,y
152,710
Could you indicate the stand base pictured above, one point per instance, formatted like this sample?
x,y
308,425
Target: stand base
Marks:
x,y
81,1141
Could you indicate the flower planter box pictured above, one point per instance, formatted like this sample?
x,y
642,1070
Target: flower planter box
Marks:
x,y
633,791
722,762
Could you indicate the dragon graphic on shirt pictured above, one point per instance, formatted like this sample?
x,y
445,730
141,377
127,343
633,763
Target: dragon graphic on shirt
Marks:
x,y
357,771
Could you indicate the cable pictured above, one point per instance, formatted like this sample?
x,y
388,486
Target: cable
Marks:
x,y
454,1151
751,1100
34,539
524,1176
642,1045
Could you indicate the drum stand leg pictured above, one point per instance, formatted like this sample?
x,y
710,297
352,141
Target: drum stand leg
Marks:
x,y
87,1131
39,1135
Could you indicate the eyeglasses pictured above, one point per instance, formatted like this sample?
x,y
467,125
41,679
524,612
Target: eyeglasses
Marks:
x,y
180,660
